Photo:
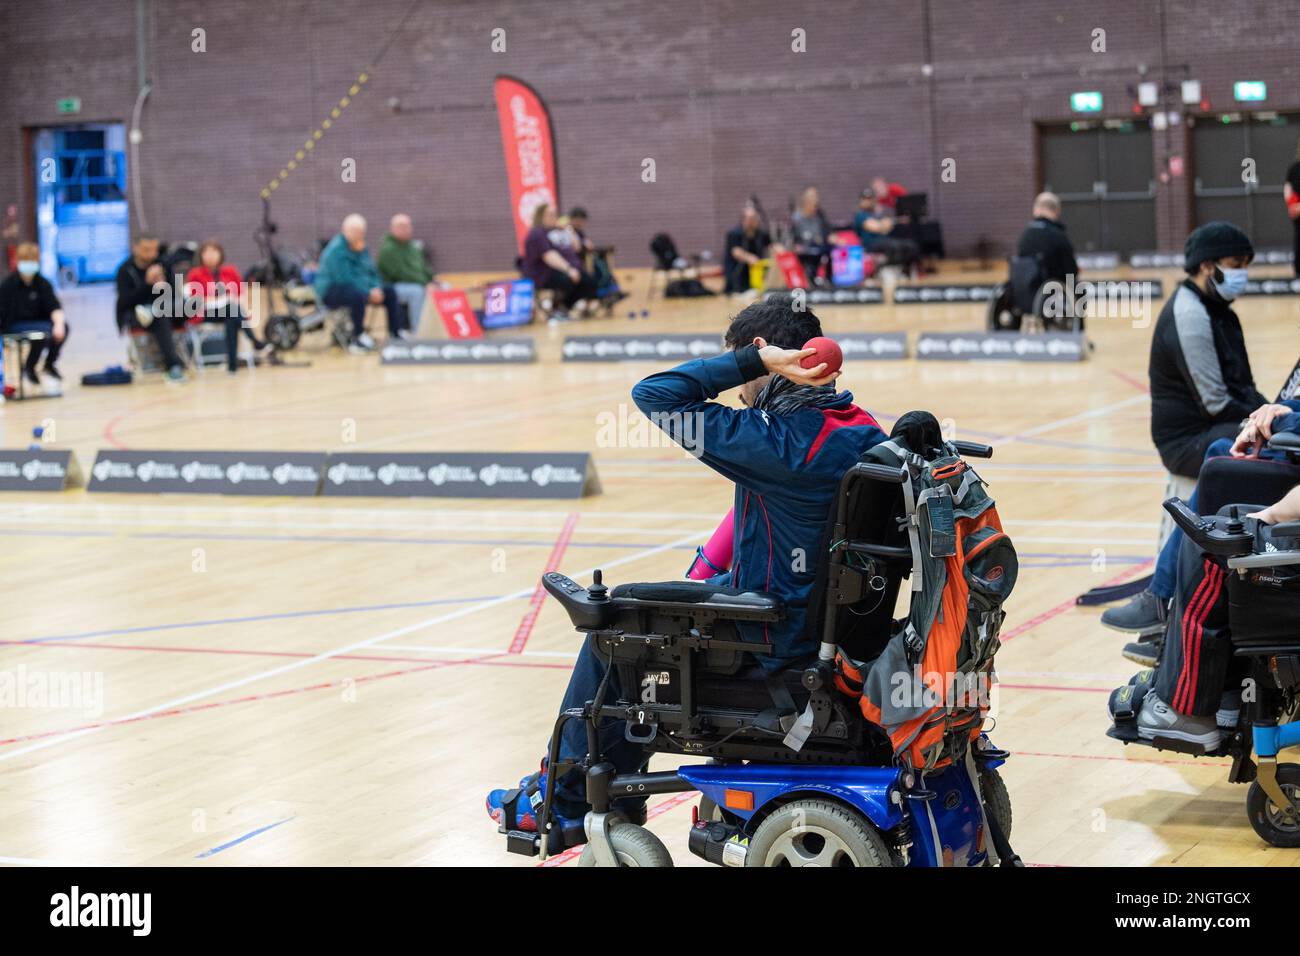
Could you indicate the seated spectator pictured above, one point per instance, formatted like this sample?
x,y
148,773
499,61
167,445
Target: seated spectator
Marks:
x,y
746,244
347,278
578,223
873,224
554,267
1045,239
1191,696
141,286
887,194
812,236
217,286
402,265
28,304
1202,387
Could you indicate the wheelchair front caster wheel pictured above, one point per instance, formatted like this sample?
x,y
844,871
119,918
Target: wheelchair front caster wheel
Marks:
x,y
816,833
1269,821
632,846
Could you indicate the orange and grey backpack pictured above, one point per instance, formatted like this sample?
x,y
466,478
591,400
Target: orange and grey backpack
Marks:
x,y
929,687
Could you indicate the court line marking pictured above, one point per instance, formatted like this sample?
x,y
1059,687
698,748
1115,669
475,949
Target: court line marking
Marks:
x,y
238,840
326,655
1069,603
526,623
1072,419
254,618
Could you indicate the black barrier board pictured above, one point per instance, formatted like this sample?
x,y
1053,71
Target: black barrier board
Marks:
x,y
460,475
1002,346
641,348
458,351
38,469
294,473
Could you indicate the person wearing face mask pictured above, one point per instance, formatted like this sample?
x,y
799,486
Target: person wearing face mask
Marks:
x,y
28,304
1202,388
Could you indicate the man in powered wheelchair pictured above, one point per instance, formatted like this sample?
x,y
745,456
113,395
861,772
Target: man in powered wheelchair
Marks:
x,y
1228,678
834,736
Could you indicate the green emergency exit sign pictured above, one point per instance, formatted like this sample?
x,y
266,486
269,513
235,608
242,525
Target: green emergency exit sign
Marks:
x,y
1088,101
1249,91
70,104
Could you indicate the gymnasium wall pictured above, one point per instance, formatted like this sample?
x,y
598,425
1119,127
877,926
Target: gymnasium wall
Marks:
x,y
711,91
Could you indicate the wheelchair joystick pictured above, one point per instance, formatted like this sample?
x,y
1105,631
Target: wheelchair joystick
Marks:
x,y
597,591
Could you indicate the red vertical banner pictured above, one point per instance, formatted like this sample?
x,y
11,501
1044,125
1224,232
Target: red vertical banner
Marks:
x,y
791,270
456,314
529,142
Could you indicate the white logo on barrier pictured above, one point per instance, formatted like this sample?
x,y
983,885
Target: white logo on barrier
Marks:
x,y
544,475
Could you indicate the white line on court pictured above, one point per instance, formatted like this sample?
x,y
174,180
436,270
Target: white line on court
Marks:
x,y
347,648
1070,420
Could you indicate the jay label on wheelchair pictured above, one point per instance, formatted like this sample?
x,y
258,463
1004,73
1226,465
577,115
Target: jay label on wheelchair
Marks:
x,y
835,734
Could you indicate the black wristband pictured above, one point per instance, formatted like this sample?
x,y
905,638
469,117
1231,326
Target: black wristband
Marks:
x,y
749,363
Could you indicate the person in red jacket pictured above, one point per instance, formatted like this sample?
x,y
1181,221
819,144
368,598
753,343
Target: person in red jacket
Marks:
x,y
218,287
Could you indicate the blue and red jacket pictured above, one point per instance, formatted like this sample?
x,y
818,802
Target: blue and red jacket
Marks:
x,y
786,469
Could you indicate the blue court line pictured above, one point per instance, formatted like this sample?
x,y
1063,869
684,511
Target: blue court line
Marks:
x,y
58,534
259,617
238,840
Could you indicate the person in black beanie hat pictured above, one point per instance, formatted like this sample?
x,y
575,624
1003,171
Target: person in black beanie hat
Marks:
x,y
1201,384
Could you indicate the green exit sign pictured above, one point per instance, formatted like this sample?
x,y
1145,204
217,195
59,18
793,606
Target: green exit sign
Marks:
x,y
1086,102
1249,91
71,104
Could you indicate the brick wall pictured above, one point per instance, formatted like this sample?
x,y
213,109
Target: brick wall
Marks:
x,y
711,91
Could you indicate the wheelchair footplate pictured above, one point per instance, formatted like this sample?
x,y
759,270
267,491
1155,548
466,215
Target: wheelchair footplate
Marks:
x,y
1127,733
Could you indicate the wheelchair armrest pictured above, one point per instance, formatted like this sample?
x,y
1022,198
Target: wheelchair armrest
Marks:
x,y
1287,442
700,596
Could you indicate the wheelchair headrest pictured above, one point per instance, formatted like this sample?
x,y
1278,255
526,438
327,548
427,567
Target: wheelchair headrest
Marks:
x,y
919,431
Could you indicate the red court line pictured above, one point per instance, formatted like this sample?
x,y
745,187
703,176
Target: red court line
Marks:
x,y
525,629
573,852
1192,762
114,422
1125,377
1090,690
1064,606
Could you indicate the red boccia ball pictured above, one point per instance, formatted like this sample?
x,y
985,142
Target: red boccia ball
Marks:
x,y
828,351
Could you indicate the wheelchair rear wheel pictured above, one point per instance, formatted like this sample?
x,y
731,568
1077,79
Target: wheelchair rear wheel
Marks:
x,y
815,832
633,846
997,802
1002,314
282,331
1267,819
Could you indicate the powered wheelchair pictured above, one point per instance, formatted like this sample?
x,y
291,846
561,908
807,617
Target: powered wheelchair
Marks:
x,y
1262,565
1022,301
794,774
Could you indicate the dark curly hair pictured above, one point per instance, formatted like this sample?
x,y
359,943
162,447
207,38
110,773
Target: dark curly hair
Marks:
x,y
776,320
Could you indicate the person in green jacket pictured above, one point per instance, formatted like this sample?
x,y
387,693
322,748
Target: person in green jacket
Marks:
x,y
347,278
401,264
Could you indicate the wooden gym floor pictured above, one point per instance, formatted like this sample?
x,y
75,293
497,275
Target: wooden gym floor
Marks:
x,y
337,682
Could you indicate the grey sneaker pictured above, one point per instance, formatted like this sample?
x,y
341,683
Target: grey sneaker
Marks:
x,y
1158,719
1144,614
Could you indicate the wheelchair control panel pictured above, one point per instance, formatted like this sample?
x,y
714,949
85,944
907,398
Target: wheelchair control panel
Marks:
x,y
1227,535
587,607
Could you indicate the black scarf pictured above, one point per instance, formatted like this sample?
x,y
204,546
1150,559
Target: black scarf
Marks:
x,y
780,396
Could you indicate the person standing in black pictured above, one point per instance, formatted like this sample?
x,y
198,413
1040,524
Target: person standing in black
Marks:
x,y
746,244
